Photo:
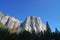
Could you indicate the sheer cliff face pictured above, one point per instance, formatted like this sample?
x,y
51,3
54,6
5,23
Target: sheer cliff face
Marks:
x,y
3,18
9,21
30,23
34,22
12,22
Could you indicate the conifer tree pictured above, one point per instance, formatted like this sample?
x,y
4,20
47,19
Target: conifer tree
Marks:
x,y
56,30
48,27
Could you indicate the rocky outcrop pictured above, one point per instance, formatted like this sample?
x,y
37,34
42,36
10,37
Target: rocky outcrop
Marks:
x,y
34,22
31,23
9,21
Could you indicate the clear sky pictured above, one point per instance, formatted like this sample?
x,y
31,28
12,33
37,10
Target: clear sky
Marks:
x,y
48,10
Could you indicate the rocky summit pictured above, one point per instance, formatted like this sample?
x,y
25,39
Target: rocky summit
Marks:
x,y
31,23
34,23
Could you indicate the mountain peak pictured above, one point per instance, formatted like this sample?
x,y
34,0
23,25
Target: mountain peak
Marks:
x,y
33,17
31,23
34,23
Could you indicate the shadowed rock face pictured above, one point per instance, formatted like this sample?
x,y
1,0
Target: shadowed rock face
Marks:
x,y
34,22
30,23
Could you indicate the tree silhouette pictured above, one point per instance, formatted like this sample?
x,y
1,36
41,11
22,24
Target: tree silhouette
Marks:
x,y
56,30
48,27
25,35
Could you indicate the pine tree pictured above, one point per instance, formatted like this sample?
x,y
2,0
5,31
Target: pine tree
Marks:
x,y
56,30
48,32
48,27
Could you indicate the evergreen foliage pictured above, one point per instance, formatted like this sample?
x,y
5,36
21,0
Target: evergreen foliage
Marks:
x,y
25,35
48,27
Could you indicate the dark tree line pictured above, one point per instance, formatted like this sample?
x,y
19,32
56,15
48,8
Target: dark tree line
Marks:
x,y
25,35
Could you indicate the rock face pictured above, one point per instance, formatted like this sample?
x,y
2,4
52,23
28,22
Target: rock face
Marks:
x,y
3,18
12,22
34,22
9,21
31,23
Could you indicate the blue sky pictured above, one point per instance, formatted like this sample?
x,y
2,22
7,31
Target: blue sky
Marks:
x,y
48,10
